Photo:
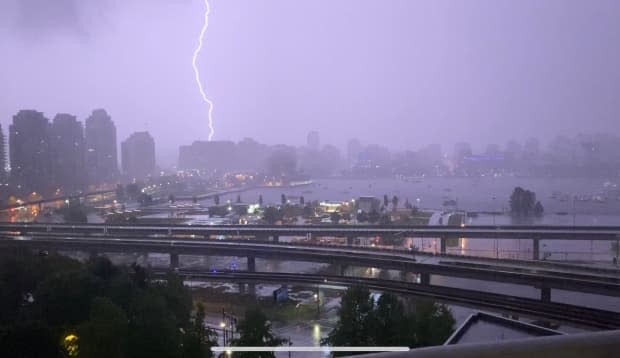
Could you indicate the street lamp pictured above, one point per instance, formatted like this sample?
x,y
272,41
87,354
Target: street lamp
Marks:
x,y
318,301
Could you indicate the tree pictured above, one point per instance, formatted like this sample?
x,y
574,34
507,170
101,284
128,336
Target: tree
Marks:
x,y
386,201
522,202
392,326
394,202
105,333
171,198
216,199
355,320
260,200
335,217
194,199
433,323
362,216
65,297
302,200
198,338
283,199
255,331
238,198
152,330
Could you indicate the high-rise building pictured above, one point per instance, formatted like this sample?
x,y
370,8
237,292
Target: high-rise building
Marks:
x,y
101,158
313,140
67,153
354,148
208,156
30,152
3,172
138,155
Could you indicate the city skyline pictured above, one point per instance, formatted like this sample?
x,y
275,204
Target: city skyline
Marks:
x,y
425,72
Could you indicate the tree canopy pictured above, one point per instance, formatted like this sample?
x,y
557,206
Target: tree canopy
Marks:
x,y
388,322
53,306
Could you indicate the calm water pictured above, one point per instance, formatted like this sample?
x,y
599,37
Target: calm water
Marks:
x,y
481,195
472,194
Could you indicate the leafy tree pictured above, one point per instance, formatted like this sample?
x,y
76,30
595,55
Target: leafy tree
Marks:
x,y
29,339
216,199
198,338
354,328
335,217
171,198
65,297
105,333
152,330
392,326
433,323
260,200
387,323
178,298
255,330
238,198
283,199
194,199
522,202
302,200
386,201
102,267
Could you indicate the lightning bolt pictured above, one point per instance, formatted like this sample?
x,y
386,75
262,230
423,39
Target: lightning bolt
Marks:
x,y
197,73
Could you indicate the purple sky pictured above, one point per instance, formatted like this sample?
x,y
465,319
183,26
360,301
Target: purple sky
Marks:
x,y
400,72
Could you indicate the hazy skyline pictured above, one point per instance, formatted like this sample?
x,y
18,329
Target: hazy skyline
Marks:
x,y
398,72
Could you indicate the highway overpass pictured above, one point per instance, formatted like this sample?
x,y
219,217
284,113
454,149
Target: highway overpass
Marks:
x,y
264,232
542,278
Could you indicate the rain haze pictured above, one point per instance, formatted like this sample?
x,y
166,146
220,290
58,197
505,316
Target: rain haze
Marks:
x,y
400,73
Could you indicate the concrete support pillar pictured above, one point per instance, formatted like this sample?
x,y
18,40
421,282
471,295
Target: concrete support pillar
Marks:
x,y
342,269
425,278
442,245
545,294
174,260
251,264
535,249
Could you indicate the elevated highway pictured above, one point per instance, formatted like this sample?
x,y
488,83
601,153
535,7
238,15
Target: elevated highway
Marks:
x,y
264,232
541,278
